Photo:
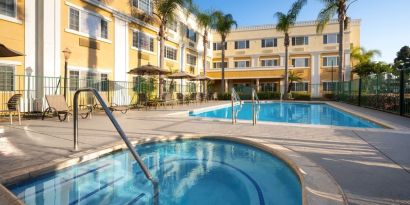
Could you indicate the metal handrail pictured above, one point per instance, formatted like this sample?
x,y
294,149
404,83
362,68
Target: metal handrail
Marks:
x,y
235,97
119,130
255,99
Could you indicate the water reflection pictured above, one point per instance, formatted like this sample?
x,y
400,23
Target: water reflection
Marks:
x,y
189,172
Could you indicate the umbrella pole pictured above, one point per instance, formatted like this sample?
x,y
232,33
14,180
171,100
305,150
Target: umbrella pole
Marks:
x,y
181,85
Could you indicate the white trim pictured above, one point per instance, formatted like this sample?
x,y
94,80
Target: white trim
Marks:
x,y
143,50
91,70
148,34
10,62
329,66
88,11
87,36
11,19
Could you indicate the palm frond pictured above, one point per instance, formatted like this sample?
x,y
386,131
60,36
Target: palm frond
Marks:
x,y
325,15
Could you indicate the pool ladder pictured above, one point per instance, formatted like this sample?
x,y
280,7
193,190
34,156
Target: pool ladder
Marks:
x,y
256,106
234,100
120,131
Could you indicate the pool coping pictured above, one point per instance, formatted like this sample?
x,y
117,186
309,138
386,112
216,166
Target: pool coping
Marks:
x,y
311,175
384,125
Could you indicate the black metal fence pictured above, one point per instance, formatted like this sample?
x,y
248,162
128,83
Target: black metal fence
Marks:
x,y
35,88
387,92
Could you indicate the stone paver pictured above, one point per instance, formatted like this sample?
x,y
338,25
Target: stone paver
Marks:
x,y
371,166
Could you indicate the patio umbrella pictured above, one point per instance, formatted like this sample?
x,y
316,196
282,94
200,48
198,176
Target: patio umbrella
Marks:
x,y
202,78
181,75
7,52
148,70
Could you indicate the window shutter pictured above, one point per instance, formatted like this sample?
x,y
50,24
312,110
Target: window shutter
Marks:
x,y
293,41
263,43
324,39
247,44
324,61
151,44
262,63
236,64
214,46
226,45
247,64
306,62
275,42
293,62
236,44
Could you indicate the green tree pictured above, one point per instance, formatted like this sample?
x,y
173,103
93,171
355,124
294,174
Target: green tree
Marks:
x,y
402,61
365,69
293,77
285,22
331,9
205,20
362,55
223,24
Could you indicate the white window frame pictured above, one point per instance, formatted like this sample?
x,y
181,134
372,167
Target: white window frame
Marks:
x,y
13,67
173,48
219,63
187,31
139,8
188,55
79,32
139,47
217,46
270,59
236,63
14,18
238,42
305,40
306,66
274,42
327,38
329,63
301,82
328,83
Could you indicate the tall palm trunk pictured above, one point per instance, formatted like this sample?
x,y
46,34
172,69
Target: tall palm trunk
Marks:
x,y
341,19
223,90
161,55
285,96
204,58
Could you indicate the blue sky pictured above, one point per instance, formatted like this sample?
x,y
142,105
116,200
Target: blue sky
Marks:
x,y
385,24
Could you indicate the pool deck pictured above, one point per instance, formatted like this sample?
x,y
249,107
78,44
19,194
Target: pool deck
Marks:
x,y
372,166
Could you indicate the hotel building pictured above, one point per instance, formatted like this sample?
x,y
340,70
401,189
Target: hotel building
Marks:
x,y
255,56
106,41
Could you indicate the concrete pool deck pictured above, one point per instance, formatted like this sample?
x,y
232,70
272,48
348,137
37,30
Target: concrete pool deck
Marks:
x,y
372,166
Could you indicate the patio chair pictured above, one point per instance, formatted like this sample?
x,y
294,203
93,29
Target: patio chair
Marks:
x,y
57,106
114,107
13,106
167,100
142,101
181,99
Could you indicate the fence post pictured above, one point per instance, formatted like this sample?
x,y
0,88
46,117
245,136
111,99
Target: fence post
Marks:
x,y
402,92
359,100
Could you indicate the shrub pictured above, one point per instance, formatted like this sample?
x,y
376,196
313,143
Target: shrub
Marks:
x,y
224,96
269,95
301,96
328,96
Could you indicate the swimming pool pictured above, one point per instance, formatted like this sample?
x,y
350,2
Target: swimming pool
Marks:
x,y
305,113
200,171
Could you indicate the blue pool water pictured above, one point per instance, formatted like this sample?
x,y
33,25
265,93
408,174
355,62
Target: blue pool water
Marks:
x,y
189,172
305,113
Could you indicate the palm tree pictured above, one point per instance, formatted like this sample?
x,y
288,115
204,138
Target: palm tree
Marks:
x,y
332,8
285,21
293,77
163,12
223,24
361,55
205,20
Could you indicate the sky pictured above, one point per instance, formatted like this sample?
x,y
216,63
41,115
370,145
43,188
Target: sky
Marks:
x,y
385,24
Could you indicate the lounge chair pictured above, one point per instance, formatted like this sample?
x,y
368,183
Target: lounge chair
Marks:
x,y
12,107
57,106
114,107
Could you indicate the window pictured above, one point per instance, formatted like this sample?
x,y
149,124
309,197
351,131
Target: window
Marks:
x,y
330,61
327,86
170,53
191,59
242,64
6,78
218,46
173,26
142,41
298,41
270,42
269,62
191,34
300,87
74,80
300,62
104,81
330,38
144,5
241,44
90,24
8,8
91,79
268,87
219,64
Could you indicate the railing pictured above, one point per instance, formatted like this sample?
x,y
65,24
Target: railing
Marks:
x,y
255,109
120,132
234,99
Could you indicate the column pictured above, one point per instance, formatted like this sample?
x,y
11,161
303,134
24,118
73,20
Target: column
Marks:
x,y
257,84
282,60
254,62
30,51
121,56
348,68
315,76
